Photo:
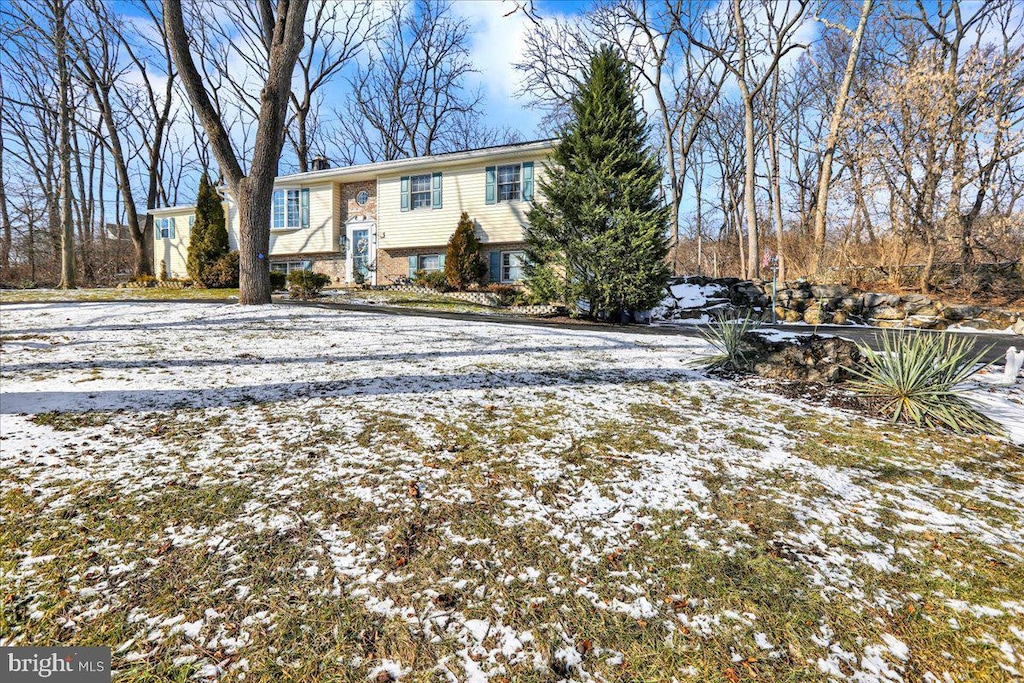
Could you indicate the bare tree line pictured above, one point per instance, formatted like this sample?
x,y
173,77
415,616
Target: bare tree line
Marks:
x,y
806,134
111,109
818,136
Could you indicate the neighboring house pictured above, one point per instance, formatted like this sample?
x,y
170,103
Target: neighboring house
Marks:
x,y
381,222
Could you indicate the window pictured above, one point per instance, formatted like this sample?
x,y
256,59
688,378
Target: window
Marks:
x,y
290,209
290,266
509,185
512,265
429,262
165,228
419,191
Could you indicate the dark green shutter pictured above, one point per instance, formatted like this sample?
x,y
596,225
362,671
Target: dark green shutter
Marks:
x,y
491,194
405,193
528,181
494,272
436,186
304,207
412,266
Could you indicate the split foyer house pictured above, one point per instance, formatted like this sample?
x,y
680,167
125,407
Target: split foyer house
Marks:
x,y
379,223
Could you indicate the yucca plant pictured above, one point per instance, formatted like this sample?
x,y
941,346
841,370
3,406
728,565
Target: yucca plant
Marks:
x,y
917,377
727,336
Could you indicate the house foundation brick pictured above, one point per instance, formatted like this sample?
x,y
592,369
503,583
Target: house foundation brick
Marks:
x,y
392,265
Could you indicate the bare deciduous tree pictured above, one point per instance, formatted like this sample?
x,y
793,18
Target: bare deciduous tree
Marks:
x,y
410,98
825,174
283,36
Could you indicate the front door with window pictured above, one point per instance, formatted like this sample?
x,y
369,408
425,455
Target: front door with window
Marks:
x,y
360,252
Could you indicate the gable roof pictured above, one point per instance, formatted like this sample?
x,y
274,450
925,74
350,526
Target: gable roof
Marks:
x,y
359,171
372,170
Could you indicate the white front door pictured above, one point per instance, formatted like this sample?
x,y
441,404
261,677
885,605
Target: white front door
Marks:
x,y
360,264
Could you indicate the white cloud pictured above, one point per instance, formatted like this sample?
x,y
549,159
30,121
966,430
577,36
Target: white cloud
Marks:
x,y
498,42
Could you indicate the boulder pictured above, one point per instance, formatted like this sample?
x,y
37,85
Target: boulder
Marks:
x,y
824,360
924,322
957,312
816,315
840,318
851,304
830,291
875,300
932,310
999,320
914,303
887,313
1018,327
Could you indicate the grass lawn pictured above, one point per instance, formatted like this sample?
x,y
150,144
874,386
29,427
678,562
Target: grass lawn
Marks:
x,y
417,300
297,494
396,299
28,296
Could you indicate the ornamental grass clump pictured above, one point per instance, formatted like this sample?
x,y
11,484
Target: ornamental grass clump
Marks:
x,y
729,337
917,377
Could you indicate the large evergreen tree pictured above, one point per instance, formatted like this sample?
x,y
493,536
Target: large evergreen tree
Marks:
x,y
598,242
208,239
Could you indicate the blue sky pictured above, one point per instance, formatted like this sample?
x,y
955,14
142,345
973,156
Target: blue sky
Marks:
x,y
497,45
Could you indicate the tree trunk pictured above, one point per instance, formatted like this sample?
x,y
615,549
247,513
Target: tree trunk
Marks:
x,y
825,176
700,228
925,283
775,192
67,227
301,141
253,243
252,193
5,224
753,269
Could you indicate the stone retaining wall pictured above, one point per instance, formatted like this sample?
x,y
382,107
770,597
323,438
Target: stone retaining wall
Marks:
x,y
695,296
481,298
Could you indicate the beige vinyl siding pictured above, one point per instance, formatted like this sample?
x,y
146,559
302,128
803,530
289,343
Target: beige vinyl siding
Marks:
x,y
321,235
463,188
172,252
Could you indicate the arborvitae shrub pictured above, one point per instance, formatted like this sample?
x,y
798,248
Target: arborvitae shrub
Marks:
x,y
223,273
305,284
463,263
208,239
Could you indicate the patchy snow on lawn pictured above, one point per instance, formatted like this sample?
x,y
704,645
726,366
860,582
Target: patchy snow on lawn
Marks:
x,y
480,489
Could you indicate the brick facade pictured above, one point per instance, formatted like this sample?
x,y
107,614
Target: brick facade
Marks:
x,y
350,208
393,264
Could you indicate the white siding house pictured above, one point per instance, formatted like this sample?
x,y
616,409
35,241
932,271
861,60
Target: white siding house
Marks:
x,y
381,222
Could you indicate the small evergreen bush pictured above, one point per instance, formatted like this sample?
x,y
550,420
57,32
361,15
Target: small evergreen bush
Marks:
x,y
434,279
208,239
507,295
278,280
305,284
222,273
463,263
